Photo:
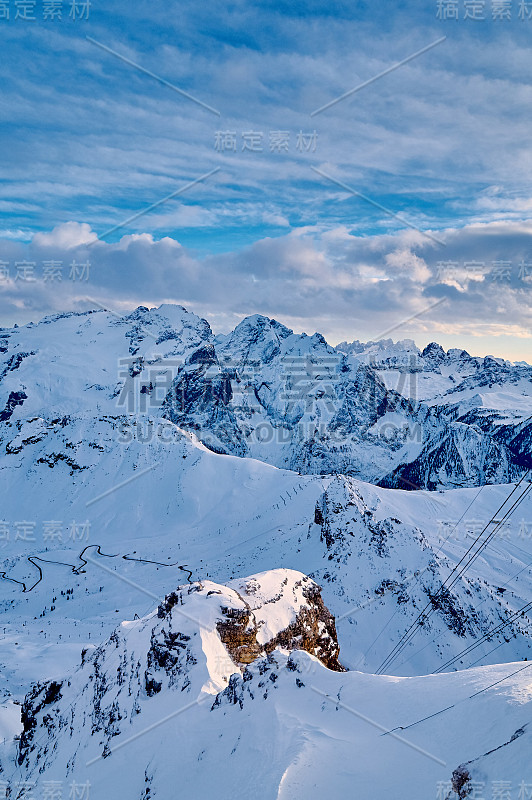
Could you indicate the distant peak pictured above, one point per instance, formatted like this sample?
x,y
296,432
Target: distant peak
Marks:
x,y
434,351
262,322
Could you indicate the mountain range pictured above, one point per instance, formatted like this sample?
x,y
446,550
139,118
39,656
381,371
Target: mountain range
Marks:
x,y
211,544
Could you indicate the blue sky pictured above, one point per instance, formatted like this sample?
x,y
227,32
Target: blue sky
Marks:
x,y
89,140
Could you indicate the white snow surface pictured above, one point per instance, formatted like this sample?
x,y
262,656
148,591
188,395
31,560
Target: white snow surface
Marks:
x,y
139,486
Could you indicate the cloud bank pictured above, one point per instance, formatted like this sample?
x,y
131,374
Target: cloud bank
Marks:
x,y
337,282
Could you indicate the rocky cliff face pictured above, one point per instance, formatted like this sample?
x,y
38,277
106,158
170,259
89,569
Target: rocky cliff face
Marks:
x,y
199,401
456,455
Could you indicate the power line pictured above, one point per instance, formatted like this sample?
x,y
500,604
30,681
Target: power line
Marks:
x,y
512,618
499,524
508,582
418,577
423,616
493,632
454,705
482,546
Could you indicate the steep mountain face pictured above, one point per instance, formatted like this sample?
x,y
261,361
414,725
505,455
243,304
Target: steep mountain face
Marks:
x,y
383,413
304,405
491,396
458,455
199,401
368,544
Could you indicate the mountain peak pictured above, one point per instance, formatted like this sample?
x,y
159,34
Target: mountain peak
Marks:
x,y
434,351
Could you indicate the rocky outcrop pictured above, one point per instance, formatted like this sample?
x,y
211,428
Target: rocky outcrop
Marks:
x,y
460,455
198,639
312,629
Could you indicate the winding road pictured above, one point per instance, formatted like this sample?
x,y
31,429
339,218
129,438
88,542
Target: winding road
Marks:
x,y
79,569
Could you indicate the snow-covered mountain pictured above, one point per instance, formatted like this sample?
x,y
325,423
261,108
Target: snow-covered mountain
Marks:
x,y
388,415
237,689
306,406
143,457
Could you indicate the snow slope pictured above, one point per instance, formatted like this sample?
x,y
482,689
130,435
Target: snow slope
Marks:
x,y
136,457
162,704
177,503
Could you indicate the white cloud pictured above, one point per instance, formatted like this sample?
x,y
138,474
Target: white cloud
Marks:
x,y
66,236
344,285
